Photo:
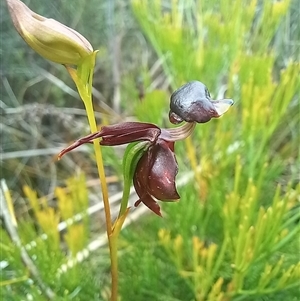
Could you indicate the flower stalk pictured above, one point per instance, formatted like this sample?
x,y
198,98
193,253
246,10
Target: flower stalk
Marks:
x,y
85,91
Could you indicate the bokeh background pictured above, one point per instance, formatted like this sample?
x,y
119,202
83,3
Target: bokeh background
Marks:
x,y
234,235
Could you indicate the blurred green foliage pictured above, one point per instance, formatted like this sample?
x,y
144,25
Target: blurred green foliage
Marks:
x,y
234,235
236,223
53,239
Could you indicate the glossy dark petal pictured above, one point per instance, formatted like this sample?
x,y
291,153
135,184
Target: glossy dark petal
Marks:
x,y
161,179
192,103
144,196
157,170
117,134
128,132
148,201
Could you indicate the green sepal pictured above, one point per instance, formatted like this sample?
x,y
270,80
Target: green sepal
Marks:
x,y
132,155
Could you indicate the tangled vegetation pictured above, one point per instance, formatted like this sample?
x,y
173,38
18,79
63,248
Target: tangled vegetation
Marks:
x,y
234,234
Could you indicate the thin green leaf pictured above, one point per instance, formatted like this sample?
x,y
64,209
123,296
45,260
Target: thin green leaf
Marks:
x,y
132,155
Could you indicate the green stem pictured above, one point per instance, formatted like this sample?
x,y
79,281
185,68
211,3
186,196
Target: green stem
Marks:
x,y
83,78
113,248
100,166
112,239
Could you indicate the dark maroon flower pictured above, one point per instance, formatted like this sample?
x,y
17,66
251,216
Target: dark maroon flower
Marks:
x,y
155,173
156,170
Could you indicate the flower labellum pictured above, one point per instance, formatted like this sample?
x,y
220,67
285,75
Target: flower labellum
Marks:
x,y
155,176
192,103
48,37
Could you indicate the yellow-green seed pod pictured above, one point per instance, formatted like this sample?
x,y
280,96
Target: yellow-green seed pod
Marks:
x,y
48,37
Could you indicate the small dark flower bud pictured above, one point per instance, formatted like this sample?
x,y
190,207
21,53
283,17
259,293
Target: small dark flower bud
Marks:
x,y
192,103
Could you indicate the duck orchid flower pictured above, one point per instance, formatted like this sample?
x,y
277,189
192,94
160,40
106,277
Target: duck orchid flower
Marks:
x,y
155,173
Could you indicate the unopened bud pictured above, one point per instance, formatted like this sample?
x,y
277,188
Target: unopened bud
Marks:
x,y
48,37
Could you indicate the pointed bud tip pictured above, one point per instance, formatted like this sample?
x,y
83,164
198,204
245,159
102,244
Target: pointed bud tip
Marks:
x,y
60,155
